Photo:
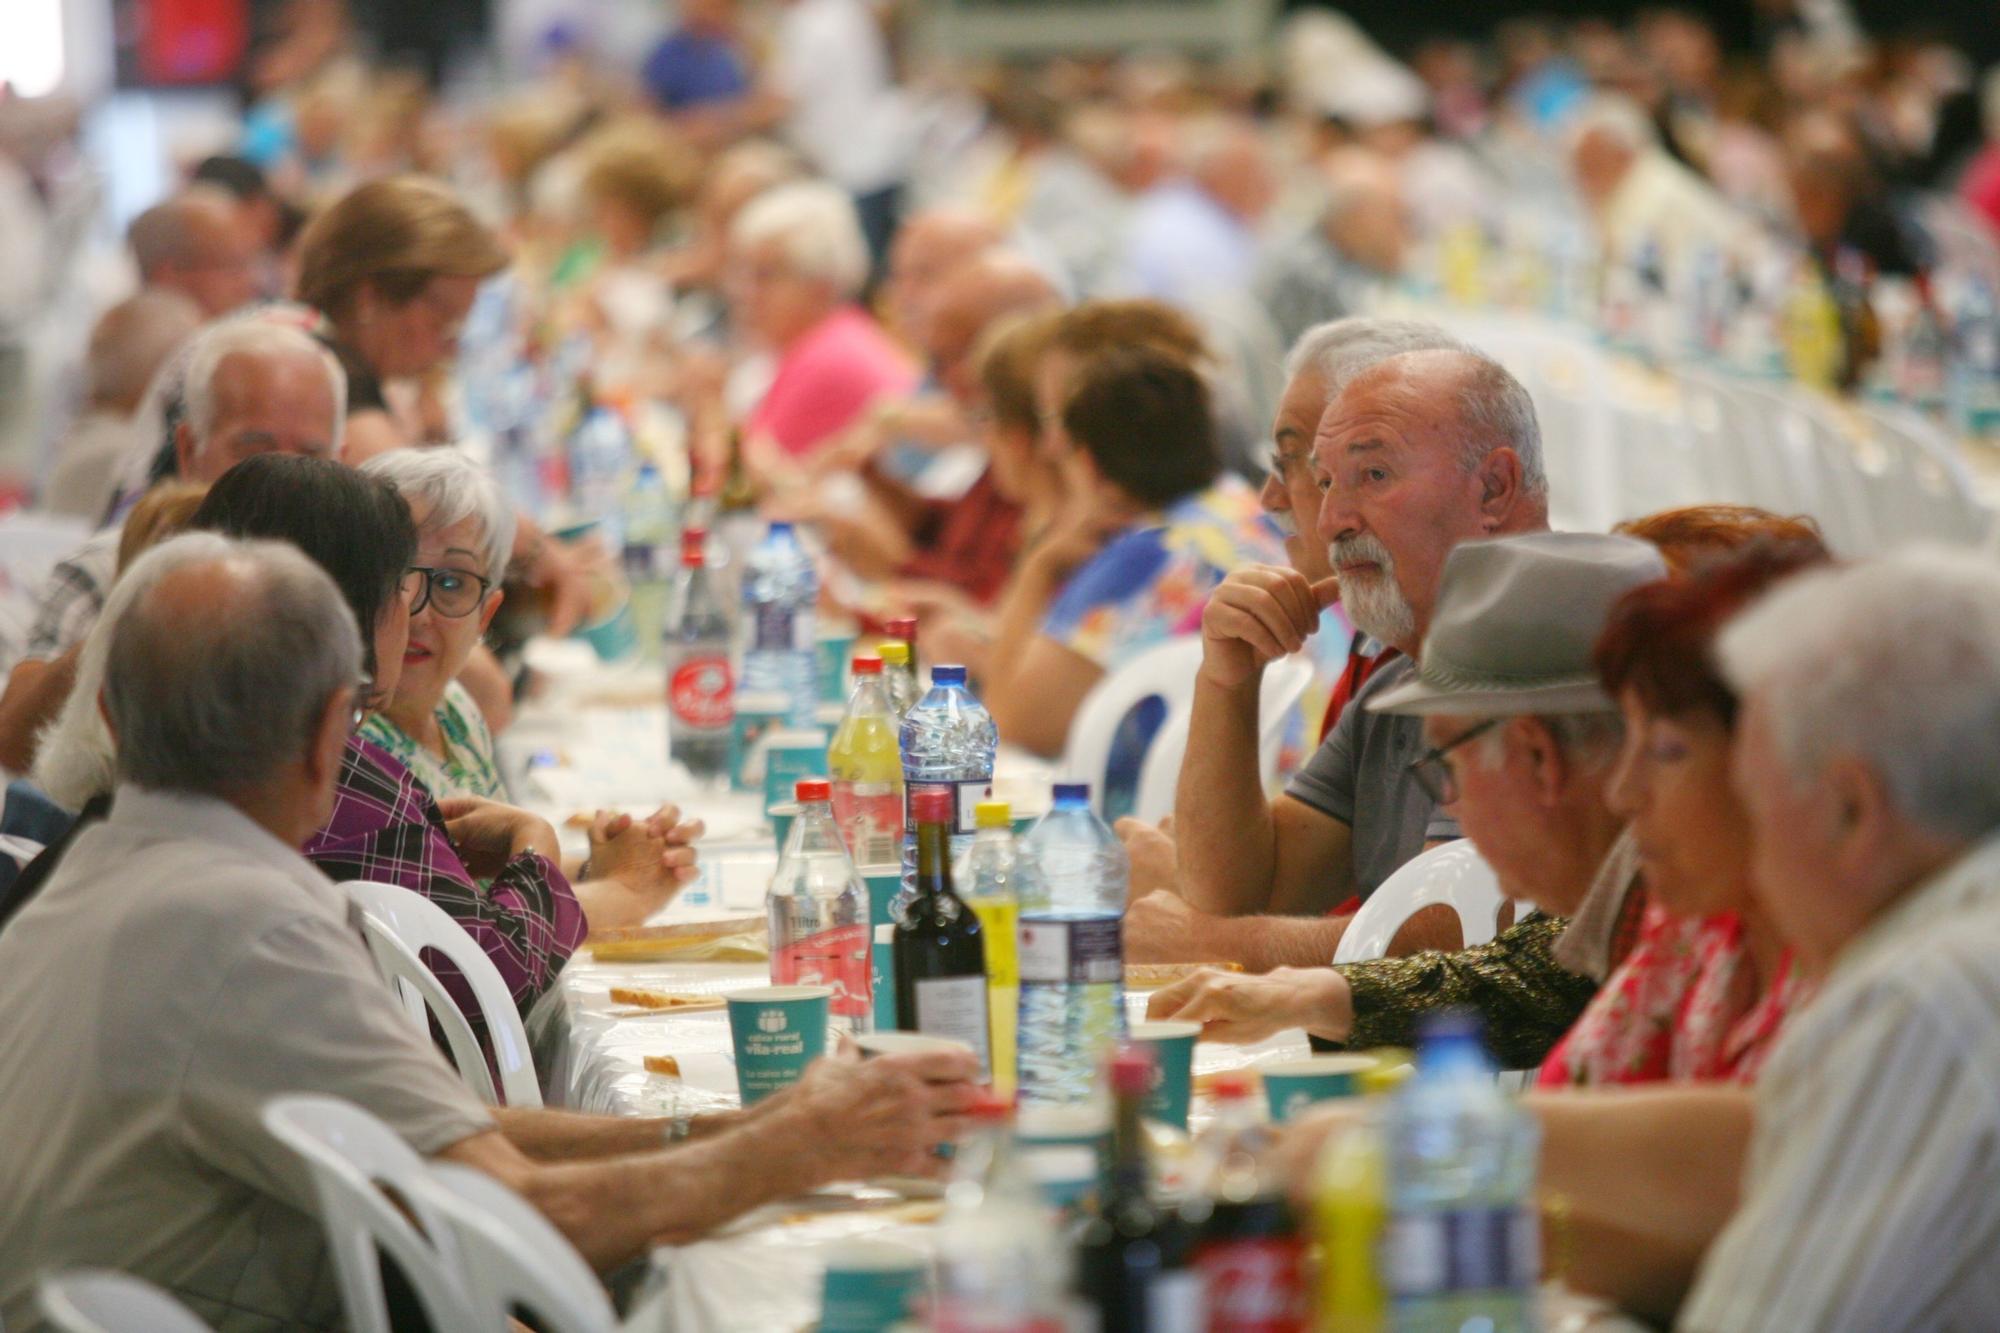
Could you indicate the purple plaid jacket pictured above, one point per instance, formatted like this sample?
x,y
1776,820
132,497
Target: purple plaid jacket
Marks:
x,y
386,827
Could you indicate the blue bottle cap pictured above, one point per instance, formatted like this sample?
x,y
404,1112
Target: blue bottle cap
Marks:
x,y
947,675
1072,793
780,525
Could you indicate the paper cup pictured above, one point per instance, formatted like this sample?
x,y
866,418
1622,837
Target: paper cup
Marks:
x,y
906,1043
788,756
781,817
1292,1085
884,883
777,1031
757,715
885,978
1067,1177
870,1285
831,655
1173,1069
1086,1126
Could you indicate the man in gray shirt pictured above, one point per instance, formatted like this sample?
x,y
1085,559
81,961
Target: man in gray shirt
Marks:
x,y
185,964
1415,452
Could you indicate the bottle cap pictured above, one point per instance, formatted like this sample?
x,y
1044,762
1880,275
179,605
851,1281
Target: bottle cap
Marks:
x,y
903,627
930,807
1387,1074
947,675
812,789
1072,793
866,664
993,814
989,1106
694,547
1132,1071
893,651
1231,1085
780,525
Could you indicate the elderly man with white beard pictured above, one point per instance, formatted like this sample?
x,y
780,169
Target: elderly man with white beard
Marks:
x,y
1416,453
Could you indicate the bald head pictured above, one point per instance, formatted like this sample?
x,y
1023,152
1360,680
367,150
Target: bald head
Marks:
x,y
199,244
971,300
1233,167
224,667
927,249
131,341
1463,395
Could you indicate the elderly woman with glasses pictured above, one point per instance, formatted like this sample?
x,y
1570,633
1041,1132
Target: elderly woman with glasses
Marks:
x,y
431,722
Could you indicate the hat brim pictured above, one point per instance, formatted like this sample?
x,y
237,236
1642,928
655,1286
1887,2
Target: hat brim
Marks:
x,y
1414,698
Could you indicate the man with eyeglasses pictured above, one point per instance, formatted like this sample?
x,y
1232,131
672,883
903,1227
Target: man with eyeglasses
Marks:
x,y
1395,443
1520,742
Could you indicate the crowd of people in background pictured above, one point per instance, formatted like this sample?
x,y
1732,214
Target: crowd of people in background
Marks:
x,y
1067,359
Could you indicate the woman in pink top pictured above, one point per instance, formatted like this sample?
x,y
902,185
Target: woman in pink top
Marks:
x,y
797,260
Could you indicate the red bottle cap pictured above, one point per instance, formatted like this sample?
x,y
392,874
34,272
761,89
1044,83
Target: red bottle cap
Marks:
x,y
694,547
812,789
1231,1086
989,1106
867,664
1132,1072
902,627
931,807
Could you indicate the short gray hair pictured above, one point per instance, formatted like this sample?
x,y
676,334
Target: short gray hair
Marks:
x,y
1340,349
217,698
1895,662
815,224
133,339
1590,740
1491,404
75,758
250,335
451,488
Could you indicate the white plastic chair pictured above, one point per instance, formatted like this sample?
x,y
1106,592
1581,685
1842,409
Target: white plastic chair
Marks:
x,y
1285,682
398,925
99,1300
1165,671
513,1259
352,1158
1454,875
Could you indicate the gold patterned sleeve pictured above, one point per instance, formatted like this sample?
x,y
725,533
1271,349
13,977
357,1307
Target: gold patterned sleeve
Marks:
x,y
1514,982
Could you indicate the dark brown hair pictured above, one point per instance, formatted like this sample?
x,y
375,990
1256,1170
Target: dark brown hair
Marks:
x,y
1143,416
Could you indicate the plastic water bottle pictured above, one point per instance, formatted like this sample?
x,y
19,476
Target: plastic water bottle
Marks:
x,y
867,773
780,588
701,688
819,911
948,739
899,675
1462,1244
600,465
1002,1267
1072,951
649,535
995,875
1972,383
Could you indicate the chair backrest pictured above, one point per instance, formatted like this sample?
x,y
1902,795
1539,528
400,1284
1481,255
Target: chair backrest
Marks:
x,y
98,1300
1164,671
394,916
1285,682
513,1259
1454,875
352,1157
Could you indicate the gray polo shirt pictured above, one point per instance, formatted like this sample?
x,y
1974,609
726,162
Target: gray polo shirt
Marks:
x,y
1360,776
181,968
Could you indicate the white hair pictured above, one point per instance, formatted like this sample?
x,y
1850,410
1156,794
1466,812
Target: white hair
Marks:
x,y
221,697
75,758
814,223
1615,116
1896,662
253,336
452,488
1341,348
1591,741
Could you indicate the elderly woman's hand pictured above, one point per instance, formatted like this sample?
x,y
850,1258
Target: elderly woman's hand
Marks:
x,y
642,863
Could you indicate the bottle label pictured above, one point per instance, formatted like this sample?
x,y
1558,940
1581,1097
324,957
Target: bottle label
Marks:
x,y
773,628
1254,1285
836,958
1462,1250
870,816
1174,1302
1000,928
955,1007
1087,952
701,692
965,798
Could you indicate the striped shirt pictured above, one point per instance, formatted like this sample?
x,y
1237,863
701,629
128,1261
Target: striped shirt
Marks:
x,y
1872,1195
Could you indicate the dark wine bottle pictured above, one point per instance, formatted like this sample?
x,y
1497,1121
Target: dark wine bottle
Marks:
x,y
1132,1257
940,957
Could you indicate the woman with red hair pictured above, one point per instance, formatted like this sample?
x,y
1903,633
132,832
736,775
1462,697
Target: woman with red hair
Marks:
x,y
1707,986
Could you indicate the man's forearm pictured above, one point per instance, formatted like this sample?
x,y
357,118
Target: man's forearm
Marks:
x,y
1222,819
1261,943
567,1136
1664,1162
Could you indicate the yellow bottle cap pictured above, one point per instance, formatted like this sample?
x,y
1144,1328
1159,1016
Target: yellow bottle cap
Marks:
x,y
893,651
1391,1069
992,814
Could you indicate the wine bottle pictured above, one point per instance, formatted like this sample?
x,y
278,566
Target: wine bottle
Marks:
x,y
1132,1257
939,954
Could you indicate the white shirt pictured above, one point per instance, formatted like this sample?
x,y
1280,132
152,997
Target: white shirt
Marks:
x,y
847,116
1871,1201
87,463
180,968
1184,245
